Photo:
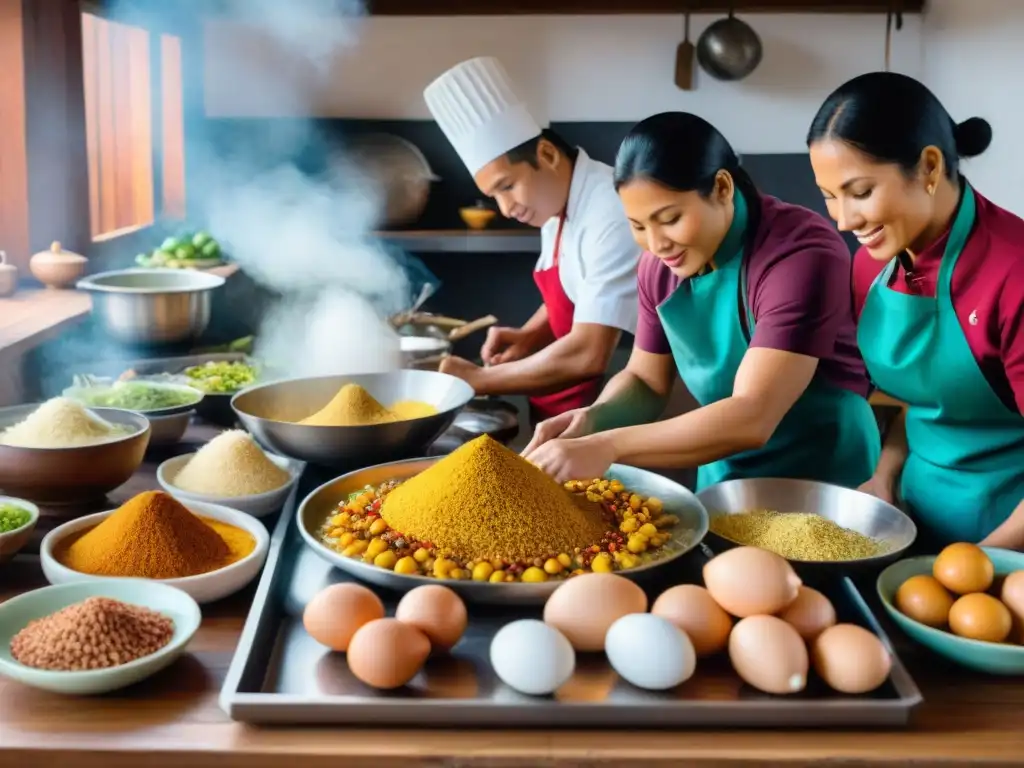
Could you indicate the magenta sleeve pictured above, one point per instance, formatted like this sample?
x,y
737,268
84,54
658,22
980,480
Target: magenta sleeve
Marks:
x,y
802,298
650,335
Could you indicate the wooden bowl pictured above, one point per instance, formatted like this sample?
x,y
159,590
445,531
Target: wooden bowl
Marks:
x,y
71,475
476,218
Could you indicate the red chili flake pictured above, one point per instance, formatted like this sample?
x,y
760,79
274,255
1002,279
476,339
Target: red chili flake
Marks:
x,y
611,547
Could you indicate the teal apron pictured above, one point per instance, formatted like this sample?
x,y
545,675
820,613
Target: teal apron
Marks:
x,y
830,434
964,474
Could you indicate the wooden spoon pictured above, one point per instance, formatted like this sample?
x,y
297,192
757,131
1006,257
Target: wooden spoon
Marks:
x,y
684,58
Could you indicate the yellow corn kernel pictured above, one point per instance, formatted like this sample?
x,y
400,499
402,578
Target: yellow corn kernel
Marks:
x,y
569,485
552,566
497,577
442,567
406,565
648,530
637,543
565,560
608,495
376,546
421,555
617,486
378,526
629,560
591,496
654,504
345,539
386,559
534,574
628,525
482,571
355,548
634,501
458,574
602,563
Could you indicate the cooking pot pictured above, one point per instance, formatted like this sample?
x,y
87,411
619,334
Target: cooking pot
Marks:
x,y
152,306
401,170
729,49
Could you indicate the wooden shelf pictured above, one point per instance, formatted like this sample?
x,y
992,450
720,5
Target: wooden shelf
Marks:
x,y
597,7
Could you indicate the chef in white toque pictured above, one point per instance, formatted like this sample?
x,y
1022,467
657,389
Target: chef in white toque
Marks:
x,y
586,272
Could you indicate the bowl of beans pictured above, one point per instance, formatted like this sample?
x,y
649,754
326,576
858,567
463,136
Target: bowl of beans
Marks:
x,y
17,521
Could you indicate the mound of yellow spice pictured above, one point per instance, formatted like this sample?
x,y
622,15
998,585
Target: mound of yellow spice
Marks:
x,y
485,501
153,536
353,406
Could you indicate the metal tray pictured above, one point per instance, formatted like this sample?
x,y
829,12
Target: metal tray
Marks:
x,y
279,675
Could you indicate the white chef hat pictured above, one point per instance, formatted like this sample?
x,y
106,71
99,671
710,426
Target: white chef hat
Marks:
x,y
478,110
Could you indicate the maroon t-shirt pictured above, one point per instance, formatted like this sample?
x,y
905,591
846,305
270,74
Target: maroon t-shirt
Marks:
x,y
798,287
987,292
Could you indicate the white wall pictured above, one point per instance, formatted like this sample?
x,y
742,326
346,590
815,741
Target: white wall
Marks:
x,y
974,62
587,68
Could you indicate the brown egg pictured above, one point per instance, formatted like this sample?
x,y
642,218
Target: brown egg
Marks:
x,y
980,617
747,581
387,653
1012,594
336,612
963,568
924,599
769,654
810,614
693,610
584,607
436,611
850,659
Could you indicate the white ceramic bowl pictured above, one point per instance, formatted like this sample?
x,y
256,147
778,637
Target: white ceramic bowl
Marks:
x,y
12,541
168,430
205,588
17,612
257,505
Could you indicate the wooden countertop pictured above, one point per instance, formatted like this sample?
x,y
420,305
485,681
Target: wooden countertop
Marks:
x,y
174,719
34,315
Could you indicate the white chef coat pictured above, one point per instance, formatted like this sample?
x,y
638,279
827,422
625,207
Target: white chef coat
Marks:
x,y
598,256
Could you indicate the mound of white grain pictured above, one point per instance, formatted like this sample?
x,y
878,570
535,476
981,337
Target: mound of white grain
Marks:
x,y
61,423
230,465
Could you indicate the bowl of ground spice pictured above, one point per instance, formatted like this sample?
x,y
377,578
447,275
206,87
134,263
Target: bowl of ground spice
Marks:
x,y
17,521
206,550
234,471
345,421
495,528
91,638
820,528
61,452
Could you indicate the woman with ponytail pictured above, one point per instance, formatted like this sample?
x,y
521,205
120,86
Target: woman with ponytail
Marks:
x,y
939,294
747,300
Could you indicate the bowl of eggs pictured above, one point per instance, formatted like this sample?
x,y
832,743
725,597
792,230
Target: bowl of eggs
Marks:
x,y
965,604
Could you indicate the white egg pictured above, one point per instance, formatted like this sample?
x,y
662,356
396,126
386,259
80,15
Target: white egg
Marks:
x,y
532,657
650,652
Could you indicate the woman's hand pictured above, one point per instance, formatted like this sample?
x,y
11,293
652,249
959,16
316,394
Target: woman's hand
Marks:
x,y
582,458
881,487
505,345
574,423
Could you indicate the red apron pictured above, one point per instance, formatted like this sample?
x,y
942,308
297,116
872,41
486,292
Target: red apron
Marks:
x,y
560,313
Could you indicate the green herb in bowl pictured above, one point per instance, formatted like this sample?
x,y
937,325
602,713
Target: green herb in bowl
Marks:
x,y
221,377
13,517
141,396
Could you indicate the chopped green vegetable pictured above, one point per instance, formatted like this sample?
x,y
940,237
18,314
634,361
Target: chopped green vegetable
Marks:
x,y
211,250
136,396
200,239
222,377
170,244
13,517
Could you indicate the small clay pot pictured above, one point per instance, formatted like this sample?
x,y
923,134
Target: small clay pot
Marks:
x,y
8,276
57,268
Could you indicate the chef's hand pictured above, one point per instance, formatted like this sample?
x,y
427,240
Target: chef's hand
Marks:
x,y
881,487
574,423
503,345
463,368
581,458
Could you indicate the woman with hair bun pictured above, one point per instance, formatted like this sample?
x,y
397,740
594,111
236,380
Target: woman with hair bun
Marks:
x,y
938,288
747,300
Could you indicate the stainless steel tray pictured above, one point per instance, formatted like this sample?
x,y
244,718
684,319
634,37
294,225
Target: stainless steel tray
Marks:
x,y
279,675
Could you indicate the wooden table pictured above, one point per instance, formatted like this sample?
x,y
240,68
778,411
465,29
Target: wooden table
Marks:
x,y
173,719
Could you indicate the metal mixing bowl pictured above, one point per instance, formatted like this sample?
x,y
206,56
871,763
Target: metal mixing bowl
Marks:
x,y
152,306
75,475
270,412
315,508
847,508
